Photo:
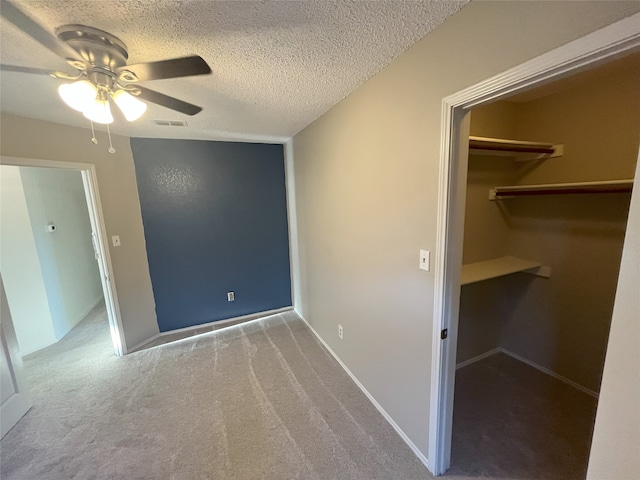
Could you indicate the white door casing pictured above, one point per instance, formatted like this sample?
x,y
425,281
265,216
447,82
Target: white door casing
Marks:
x,y
14,392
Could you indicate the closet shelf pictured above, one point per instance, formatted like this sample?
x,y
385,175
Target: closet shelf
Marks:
x,y
519,149
605,186
499,267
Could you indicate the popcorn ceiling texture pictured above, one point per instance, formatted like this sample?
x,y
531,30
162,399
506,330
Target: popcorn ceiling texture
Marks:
x,y
277,65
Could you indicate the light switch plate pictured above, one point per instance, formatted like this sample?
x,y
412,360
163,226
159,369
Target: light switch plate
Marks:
x,y
425,260
115,240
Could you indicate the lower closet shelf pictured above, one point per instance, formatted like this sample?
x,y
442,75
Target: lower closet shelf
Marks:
x,y
498,267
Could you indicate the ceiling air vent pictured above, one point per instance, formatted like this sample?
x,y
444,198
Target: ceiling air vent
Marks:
x,y
171,123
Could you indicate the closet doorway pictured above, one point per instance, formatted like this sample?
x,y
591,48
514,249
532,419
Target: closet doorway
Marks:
x,y
550,173
527,278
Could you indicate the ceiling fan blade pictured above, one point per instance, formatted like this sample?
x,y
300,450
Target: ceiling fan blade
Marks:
x,y
167,101
13,14
173,68
19,69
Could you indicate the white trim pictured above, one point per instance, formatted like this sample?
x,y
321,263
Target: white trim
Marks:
x,y
39,162
90,180
81,317
596,47
244,319
137,346
19,402
551,373
292,216
94,207
477,358
93,305
24,353
386,416
174,134
531,363
248,317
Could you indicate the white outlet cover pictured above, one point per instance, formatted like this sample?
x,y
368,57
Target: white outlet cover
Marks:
x,y
115,240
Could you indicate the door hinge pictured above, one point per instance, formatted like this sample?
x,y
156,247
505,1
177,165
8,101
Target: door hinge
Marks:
x,y
444,333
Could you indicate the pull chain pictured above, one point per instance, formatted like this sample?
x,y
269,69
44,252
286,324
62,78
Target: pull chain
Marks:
x,y
110,149
94,140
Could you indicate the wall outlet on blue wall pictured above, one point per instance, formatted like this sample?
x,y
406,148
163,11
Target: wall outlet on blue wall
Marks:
x,y
231,297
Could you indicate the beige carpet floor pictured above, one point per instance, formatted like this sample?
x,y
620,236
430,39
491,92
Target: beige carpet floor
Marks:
x,y
262,400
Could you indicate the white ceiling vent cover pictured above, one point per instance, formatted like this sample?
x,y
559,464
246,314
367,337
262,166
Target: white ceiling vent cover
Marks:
x,y
171,123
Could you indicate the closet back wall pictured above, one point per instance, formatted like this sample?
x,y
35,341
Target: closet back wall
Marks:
x,y
215,221
563,323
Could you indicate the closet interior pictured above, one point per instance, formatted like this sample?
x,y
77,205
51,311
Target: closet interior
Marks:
x,y
548,188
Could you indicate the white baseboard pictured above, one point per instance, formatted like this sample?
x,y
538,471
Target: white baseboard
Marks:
x,y
251,316
93,305
477,358
37,348
575,385
137,346
244,319
82,316
387,417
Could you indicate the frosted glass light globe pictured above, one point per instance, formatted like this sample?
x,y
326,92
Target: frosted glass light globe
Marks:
x,y
99,111
131,107
78,95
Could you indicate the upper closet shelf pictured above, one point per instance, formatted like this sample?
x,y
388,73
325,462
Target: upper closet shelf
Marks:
x,y
499,267
604,186
518,149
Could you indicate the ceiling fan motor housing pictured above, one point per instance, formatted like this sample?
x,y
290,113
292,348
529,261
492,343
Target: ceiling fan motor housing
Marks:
x,y
102,52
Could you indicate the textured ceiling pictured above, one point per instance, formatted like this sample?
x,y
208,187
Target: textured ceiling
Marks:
x,y
277,65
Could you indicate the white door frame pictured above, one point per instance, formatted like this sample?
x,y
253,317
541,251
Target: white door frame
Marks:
x,y
90,181
583,53
18,403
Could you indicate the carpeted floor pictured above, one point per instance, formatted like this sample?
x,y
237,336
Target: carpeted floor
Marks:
x,y
262,400
511,421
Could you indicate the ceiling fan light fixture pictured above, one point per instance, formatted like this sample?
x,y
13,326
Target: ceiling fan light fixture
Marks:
x,y
99,110
78,94
131,107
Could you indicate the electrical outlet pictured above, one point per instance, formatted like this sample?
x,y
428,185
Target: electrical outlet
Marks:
x,y
115,239
340,332
231,297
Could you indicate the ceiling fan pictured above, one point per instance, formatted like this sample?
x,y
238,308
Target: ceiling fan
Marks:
x,y
103,74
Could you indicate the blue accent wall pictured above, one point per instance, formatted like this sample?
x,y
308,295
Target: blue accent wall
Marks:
x,y
215,221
